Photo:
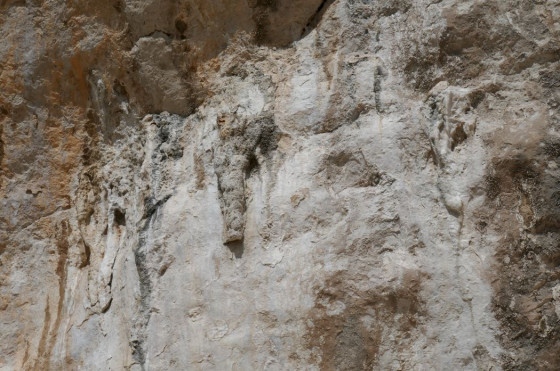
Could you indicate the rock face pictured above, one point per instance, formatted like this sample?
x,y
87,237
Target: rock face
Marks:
x,y
280,185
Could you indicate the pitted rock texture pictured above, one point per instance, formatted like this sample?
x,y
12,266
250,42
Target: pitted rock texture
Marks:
x,y
280,185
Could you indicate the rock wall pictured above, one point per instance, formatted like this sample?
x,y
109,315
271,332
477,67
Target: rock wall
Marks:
x,y
279,184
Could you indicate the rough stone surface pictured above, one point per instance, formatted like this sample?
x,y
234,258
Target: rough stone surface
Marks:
x,y
280,185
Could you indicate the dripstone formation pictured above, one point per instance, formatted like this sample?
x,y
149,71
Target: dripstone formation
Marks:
x,y
280,185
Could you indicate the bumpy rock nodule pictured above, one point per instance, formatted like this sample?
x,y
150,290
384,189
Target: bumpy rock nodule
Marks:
x,y
280,184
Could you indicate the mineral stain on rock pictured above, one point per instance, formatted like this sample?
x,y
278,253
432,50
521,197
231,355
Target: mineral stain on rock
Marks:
x,y
529,268
348,326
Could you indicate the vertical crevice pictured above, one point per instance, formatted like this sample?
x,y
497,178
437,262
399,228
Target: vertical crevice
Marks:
x,y
138,342
379,76
142,258
316,17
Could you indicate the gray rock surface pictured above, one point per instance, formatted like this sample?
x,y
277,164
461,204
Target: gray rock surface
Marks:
x,y
280,185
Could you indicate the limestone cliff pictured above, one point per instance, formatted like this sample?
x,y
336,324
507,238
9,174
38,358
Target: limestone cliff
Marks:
x,y
280,185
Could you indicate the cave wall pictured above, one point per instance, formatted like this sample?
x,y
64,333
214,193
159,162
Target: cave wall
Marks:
x,y
279,184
